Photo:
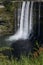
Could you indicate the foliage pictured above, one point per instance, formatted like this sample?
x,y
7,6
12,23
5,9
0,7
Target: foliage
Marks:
x,y
10,6
7,4
23,61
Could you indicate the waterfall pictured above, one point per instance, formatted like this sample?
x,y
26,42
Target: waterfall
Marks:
x,y
25,23
31,17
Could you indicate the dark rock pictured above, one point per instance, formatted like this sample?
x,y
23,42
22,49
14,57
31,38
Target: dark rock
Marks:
x,y
21,47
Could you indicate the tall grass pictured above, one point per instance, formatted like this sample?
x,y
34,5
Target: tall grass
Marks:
x,y
23,61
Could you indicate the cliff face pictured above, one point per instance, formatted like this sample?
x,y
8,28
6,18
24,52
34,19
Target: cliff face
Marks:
x,y
9,17
6,24
8,20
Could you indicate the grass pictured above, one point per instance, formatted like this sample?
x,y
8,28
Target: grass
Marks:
x,y
23,61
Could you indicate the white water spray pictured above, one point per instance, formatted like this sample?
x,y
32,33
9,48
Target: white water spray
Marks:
x,y
25,23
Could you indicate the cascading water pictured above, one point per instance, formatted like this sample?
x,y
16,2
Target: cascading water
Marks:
x,y
31,16
25,23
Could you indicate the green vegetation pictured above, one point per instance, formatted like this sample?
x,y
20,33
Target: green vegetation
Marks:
x,y
7,14
23,61
4,60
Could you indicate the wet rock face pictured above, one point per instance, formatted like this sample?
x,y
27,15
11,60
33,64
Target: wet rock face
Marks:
x,y
21,47
38,32
40,39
